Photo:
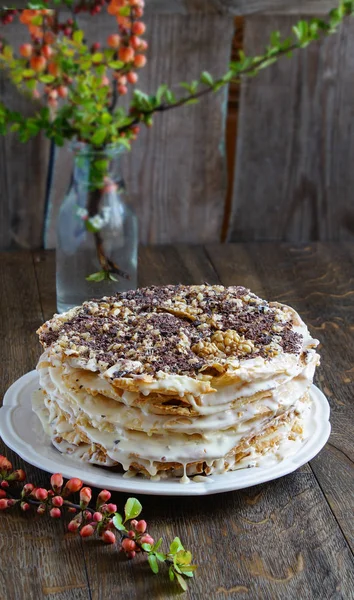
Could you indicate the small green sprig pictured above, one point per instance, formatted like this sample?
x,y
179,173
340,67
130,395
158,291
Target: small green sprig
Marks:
x,y
177,559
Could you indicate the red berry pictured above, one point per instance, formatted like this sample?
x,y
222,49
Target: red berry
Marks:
x,y
138,12
85,496
134,523
28,488
73,485
135,130
26,50
97,516
47,51
112,508
3,503
55,513
143,45
138,28
73,526
67,31
70,22
41,494
38,63
2,494
131,534
108,537
131,554
95,47
147,539
128,545
88,516
62,91
5,464
134,42
122,90
41,509
71,509
126,54
113,40
5,485
122,79
132,77
103,497
54,69
141,526
57,501
87,531
105,81
140,61
53,95
56,481
25,506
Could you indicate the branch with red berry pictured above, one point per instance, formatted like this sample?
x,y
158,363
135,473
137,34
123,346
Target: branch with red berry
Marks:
x,y
103,520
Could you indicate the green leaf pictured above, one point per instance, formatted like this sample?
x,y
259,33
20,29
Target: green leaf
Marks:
x,y
101,165
112,277
188,569
161,90
153,563
171,573
160,556
116,64
97,58
146,547
28,73
124,11
184,557
170,97
99,276
176,546
78,36
192,101
46,78
118,522
181,582
99,136
207,79
157,544
132,509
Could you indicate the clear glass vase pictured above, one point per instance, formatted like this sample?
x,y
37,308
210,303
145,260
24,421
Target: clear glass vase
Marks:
x,y
97,233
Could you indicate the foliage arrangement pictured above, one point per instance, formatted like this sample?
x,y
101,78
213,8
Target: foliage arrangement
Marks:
x,y
82,84
103,520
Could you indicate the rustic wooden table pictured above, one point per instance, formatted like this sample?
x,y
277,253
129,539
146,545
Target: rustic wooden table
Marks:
x,y
291,538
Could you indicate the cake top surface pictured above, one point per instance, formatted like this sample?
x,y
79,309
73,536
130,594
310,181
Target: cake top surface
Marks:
x,y
176,329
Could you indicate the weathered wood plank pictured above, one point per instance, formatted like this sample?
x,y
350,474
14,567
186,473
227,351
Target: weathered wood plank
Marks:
x,y
37,559
23,169
176,172
295,146
317,280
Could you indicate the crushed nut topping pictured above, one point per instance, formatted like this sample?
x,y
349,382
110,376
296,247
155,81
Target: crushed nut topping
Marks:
x,y
174,329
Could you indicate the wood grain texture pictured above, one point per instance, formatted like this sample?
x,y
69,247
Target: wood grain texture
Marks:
x,y
23,170
295,146
317,280
176,172
37,559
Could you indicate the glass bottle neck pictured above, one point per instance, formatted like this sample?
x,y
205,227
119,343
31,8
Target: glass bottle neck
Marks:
x,y
97,168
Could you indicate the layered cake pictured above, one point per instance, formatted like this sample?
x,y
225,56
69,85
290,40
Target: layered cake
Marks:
x,y
176,381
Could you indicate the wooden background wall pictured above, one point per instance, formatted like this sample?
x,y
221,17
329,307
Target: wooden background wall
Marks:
x,y
290,144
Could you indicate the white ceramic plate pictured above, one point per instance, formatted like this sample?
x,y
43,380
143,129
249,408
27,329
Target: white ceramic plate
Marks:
x,y
21,430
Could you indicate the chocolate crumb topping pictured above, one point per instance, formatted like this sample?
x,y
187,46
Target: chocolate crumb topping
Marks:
x,y
175,329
